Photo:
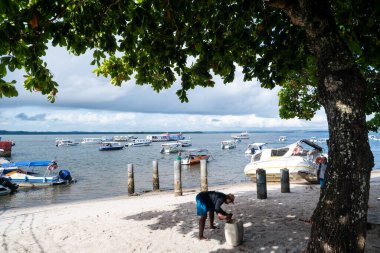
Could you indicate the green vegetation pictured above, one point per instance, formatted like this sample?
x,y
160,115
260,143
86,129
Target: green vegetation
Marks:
x,y
321,53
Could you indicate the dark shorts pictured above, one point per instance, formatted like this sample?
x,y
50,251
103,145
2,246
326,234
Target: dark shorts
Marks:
x,y
322,182
201,207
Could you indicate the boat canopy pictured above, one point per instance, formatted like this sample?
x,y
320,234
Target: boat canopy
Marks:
x,y
257,145
26,164
312,144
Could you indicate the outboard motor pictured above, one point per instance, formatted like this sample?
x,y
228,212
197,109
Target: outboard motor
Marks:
x,y
7,183
65,175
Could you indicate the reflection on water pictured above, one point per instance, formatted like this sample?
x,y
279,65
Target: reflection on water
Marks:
x,y
104,174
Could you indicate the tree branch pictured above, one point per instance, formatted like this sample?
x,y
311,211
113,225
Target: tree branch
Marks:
x,y
293,8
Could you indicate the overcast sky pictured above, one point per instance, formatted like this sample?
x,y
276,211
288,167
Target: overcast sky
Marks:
x,y
86,102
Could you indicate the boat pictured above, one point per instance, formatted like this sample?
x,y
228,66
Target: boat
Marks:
x,y
106,138
252,148
6,148
185,143
313,139
91,140
169,148
282,138
110,146
228,144
272,160
66,143
242,135
6,183
139,143
194,156
63,142
29,174
120,138
165,137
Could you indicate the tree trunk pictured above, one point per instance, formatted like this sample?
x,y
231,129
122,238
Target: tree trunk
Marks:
x,y
340,218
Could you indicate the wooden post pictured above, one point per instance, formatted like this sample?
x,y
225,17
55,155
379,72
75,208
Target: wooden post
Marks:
x,y
261,182
131,180
204,184
156,181
285,187
177,178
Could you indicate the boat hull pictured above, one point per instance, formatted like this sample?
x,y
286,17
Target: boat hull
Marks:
x,y
110,148
194,160
31,181
273,168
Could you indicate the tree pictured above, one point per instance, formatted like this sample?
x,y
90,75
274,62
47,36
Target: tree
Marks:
x,y
321,53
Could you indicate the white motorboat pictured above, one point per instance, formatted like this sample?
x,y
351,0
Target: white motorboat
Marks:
x,y
243,135
282,138
254,147
165,137
185,143
228,144
168,148
272,160
91,140
139,143
62,142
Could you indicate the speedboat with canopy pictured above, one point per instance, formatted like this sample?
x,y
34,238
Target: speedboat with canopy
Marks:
x,y
296,157
29,173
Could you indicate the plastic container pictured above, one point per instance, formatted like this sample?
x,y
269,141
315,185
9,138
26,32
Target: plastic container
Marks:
x,y
234,232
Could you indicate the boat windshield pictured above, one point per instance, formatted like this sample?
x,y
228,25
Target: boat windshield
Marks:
x,y
279,152
256,157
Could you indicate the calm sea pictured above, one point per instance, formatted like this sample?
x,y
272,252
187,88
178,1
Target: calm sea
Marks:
x,y
104,174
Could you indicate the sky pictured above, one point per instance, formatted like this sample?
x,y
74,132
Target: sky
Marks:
x,y
86,102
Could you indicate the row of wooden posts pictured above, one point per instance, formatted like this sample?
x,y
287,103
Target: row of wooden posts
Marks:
x,y
261,181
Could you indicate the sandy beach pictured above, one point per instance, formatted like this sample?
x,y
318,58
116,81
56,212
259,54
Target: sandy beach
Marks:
x,y
160,222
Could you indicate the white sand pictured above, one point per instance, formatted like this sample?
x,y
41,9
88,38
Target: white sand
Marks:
x,y
160,222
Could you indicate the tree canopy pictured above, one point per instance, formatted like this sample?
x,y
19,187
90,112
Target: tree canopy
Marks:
x,y
321,53
158,42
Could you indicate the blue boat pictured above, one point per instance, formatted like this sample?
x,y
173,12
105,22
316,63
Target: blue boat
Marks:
x,y
27,174
109,146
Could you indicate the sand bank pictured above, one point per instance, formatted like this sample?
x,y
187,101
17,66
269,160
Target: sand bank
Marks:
x,y
160,222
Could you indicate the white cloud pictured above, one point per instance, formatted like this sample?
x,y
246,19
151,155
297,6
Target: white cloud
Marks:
x,y
90,120
89,103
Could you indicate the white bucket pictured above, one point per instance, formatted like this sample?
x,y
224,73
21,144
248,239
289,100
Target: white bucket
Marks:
x,y
234,232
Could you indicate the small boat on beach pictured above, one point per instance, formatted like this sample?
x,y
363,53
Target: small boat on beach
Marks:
x,y
299,156
29,173
228,144
194,156
110,146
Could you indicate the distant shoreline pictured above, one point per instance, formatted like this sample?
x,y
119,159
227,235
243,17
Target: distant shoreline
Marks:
x,y
5,132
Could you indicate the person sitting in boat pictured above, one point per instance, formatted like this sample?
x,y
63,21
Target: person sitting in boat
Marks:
x,y
52,166
297,150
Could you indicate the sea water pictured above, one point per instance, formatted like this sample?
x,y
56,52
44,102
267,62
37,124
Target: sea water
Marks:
x,y
104,174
